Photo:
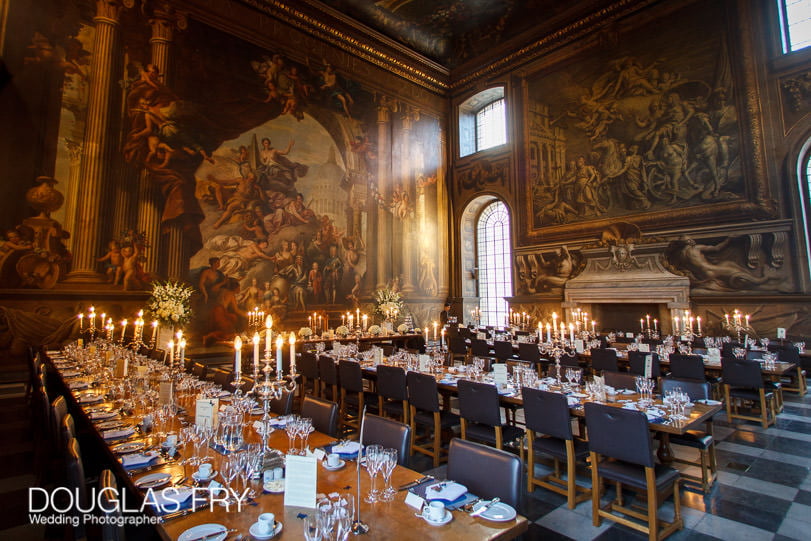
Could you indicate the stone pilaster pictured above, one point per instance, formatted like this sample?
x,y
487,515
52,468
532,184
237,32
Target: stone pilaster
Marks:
x,y
384,188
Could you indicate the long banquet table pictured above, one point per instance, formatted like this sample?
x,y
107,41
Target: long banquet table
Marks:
x,y
390,520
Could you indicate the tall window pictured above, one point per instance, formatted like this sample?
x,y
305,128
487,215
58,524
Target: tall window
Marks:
x,y
795,24
491,125
495,270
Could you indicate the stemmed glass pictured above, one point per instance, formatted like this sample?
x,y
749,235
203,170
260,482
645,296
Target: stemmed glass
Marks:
x,y
305,427
388,463
229,469
313,528
374,455
291,428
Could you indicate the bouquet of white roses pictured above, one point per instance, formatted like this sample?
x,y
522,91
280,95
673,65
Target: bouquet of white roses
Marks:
x,y
170,303
342,330
374,330
402,328
305,332
388,301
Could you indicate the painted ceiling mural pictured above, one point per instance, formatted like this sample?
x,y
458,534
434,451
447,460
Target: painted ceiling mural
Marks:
x,y
637,129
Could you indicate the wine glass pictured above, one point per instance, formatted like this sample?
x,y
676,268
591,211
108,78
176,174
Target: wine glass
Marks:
x,y
313,528
305,428
291,428
388,464
373,462
229,469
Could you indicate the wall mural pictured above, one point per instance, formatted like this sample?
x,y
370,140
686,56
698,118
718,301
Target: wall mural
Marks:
x,y
637,128
283,175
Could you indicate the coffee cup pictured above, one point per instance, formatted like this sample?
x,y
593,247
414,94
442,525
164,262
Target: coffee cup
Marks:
x,y
266,523
204,471
333,460
434,511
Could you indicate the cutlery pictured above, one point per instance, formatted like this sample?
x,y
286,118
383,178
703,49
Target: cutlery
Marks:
x,y
485,507
468,507
182,513
213,535
416,482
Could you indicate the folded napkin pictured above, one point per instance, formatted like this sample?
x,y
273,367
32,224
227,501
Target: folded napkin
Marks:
x,y
88,398
170,499
120,433
278,422
71,373
654,413
138,459
346,448
447,491
78,385
101,415
630,406
572,401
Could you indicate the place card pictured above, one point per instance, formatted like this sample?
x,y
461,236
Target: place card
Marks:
x,y
302,481
319,454
714,355
121,367
781,333
378,356
205,413
648,366
644,348
629,335
500,374
165,393
579,346
412,500
425,363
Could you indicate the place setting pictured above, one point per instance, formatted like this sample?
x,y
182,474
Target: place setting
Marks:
x,y
266,527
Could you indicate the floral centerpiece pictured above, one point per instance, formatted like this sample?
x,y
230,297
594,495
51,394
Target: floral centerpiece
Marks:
x,y
170,303
342,330
305,332
402,328
388,302
374,330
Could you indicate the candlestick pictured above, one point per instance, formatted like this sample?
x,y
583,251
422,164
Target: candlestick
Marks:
x,y
279,345
238,355
256,340
81,322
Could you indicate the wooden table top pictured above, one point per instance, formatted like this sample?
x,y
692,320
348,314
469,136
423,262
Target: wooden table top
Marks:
x,y
394,519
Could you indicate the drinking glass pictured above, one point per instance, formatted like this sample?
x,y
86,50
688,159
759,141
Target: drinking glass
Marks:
x,y
312,528
229,469
373,462
291,428
388,464
306,428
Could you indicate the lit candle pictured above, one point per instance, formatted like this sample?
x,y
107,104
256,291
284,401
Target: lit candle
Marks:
x,y
426,334
548,333
676,325
102,319
647,318
692,320
365,321
320,328
357,315
592,326
279,345
656,325
343,320
571,332
182,348
171,352
256,340
726,316
93,318
123,329
238,355
268,334
154,330
442,337
435,328
351,322
642,324
81,321
292,342
698,321
747,320
309,321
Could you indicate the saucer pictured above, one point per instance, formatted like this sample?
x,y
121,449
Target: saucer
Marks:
x,y
254,531
153,480
499,512
274,487
340,465
200,479
447,518
211,532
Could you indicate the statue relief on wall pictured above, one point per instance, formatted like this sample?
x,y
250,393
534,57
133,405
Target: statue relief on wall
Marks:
x,y
637,130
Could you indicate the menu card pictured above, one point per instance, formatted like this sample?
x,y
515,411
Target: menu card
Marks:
x,y
165,393
206,411
648,365
579,346
425,363
121,367
500,374
644,348
714,355
629,335
301,481
378,356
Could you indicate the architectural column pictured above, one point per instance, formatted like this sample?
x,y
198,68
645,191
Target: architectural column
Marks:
x,y
163,21
406,174
384,189
72,193
95,154
443,214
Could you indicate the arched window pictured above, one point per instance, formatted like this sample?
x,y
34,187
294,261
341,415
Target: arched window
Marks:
x,y
795,24
482,121
494,268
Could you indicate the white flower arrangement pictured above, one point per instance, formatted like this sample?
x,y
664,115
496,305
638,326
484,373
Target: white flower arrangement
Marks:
x,y
342,330
305,332
388,301
170,303
374,330
402,328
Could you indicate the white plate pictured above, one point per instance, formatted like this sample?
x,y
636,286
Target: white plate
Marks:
x,y
200,479
340,465
107,425
499,512
102,415
153,480
254,532
219,532
579,395
90,399
447,518
128,447
709,402
274,487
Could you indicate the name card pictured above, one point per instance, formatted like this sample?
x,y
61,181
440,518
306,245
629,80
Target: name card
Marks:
x,y
648,365
629,335
414,501
579,346
121,368
781,332
425,363
481,336
378,356
714,355
500,374
205,413
301,481
644,348
165,393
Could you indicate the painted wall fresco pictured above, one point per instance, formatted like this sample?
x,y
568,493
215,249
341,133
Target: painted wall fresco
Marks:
x,y
636,128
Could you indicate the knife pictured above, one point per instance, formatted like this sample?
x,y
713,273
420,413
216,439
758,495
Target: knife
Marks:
x,y
485,507
416,483
213,535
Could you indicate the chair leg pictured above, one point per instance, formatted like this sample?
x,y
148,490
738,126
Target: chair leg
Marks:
x,y
437,438
463,427
530,461
499,438
571,488
728,403
764,411
595,491
413,411
405,412
653,505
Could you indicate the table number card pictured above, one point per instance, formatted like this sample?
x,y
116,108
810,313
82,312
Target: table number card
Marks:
x,y
165,393
648,365
781,333
425,363
579,346
500,374
644,348
301,481
205,413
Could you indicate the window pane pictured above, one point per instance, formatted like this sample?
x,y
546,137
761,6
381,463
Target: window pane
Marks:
x,y
491,126
796,24
495,270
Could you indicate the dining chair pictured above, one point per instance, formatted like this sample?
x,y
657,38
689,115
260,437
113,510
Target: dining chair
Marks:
x,y
198,370
465,332
224,379
480,348
353,396
328,377
424,410
457,349
308,370
416,343
112,528
687,367
622,438
388,433
636,363
42,431
529,352
59,408
702,440
68,428
284,404
158,355
743,381
480,416
549,432
796,382
323,413
486,472
392,391
604,359
75,478
503,351
620,380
